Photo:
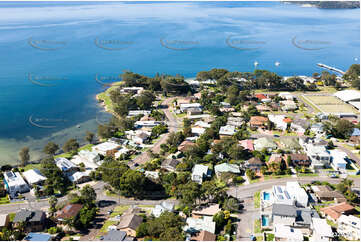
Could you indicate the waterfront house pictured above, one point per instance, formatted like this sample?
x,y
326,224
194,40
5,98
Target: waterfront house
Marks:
x,y
334,212
131,90
34,177
14,183
254,164
68,211
90,159
147,124
66,165
200,172
133,113
321,230
170,164
102,148
34,220
264,143
129,224
258,121
195,225
349,227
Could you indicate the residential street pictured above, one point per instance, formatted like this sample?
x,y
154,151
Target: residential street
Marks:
x,y
173,125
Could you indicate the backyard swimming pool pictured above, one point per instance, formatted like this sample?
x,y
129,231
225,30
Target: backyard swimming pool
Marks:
x,y
265,220
266,196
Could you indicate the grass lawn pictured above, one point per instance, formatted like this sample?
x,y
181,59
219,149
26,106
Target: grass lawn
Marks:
x,y
257,199
331,223
86,147
32,166
270,237
330,104
268,177
307,174
257,226
68,155
11,216
4,200
107,223
119,210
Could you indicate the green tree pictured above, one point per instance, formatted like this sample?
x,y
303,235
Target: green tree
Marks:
x,y
88,195
24,156
52,202
89,137
51,148
71,146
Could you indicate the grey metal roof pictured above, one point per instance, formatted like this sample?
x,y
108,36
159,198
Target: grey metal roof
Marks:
x,y
115,235
284,210
28,216
305,215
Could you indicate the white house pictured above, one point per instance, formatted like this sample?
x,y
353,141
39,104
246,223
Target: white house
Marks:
x,y
147,124
319,155
202,124
228,168
286,95
14,183
138,136
185,106
133,113
281,195
34,176
65,165
79,177
317,128
198,131
349,227
90,159
287,233
297,193
338,159
321,230
278,121
133,90
199,172
163,207
227,130
194,224
235,121
226,105
102,148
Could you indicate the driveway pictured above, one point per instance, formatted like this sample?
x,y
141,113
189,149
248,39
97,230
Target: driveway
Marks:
x,y
246,220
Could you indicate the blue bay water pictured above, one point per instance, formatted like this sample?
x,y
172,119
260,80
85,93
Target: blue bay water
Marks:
x,y
139,27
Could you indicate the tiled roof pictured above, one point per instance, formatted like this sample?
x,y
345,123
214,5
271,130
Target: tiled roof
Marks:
x,y
131,221
70,210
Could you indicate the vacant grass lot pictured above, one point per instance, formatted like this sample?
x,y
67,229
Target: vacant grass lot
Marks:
x,y
330,104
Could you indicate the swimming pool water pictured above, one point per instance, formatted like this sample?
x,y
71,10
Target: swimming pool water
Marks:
x,y
266,196
265,220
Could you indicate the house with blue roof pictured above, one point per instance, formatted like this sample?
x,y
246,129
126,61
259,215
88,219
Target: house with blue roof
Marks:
x,y
355,136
